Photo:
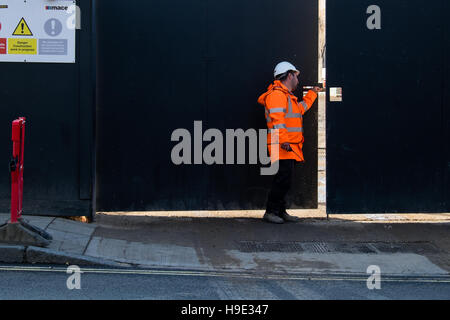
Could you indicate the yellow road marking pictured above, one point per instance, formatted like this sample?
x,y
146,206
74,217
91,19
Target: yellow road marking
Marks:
x,y
223,274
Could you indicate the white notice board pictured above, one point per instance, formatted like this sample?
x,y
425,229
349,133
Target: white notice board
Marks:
x,y
37,31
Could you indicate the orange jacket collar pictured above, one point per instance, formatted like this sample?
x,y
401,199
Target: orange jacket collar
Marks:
x,y
278,83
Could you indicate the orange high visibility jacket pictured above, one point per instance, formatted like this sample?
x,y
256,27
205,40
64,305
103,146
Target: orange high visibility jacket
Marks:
x,y
285,113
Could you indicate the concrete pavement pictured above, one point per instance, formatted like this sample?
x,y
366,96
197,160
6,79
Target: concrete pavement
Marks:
x,y
407,245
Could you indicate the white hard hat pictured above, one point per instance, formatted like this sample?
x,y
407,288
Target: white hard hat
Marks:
x,y
283,67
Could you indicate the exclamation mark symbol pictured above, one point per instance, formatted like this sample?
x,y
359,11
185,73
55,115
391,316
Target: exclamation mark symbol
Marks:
x,y
53,26
22,25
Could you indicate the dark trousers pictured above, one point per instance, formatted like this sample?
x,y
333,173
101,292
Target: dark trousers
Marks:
x,y
276,201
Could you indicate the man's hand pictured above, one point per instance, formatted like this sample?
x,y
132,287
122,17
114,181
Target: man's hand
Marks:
x,y
318,89
286,146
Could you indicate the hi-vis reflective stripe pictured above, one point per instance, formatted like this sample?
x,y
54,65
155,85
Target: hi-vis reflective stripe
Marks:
x,y
305,105
273,110
279,126
289,105
267,117
289,129
291,114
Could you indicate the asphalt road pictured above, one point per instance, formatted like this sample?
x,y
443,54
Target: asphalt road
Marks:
x,y
50,282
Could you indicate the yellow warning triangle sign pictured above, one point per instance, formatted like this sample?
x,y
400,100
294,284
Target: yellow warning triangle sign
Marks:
x,y
22,29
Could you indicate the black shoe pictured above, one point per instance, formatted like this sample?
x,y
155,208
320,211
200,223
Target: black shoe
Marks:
x,y
288,218
273,218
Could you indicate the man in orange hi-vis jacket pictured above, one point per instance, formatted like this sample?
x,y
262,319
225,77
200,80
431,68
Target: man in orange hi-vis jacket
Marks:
x,y
284,116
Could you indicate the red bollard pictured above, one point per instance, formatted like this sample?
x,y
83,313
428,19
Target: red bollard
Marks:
x,y
17,230
16,169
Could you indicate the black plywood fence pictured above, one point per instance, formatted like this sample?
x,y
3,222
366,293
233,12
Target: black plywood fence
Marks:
x,y
163,65
58,102
388,140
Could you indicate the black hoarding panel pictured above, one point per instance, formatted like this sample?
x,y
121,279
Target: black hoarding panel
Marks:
x,y
386,141
445,105
168,64
57,101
